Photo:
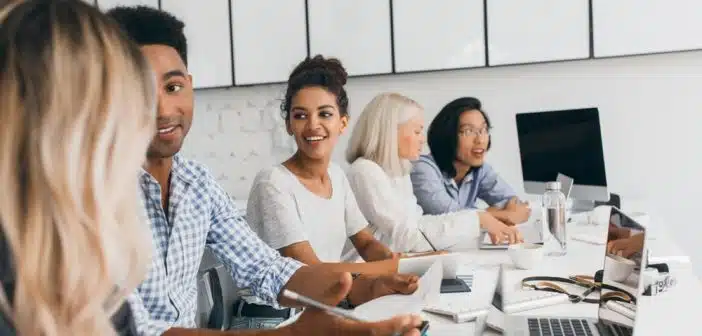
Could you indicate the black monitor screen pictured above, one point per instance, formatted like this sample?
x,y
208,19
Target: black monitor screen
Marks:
x,y
568,142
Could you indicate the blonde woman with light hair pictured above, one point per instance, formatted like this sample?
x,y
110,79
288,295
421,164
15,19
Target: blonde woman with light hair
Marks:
x,y
77,115
388,135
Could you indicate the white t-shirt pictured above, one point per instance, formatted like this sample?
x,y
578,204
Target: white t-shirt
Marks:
x,y
397,220
282,211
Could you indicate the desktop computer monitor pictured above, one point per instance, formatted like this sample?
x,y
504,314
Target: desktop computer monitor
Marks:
x,y
567,142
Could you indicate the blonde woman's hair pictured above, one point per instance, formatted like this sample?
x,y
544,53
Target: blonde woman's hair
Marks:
x,y
375,134
77,115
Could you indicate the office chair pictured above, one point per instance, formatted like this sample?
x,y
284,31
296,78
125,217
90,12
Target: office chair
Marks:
x,y
216,294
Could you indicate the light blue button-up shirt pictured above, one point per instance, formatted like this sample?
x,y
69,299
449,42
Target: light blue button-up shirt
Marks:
x,y
438,194
199,214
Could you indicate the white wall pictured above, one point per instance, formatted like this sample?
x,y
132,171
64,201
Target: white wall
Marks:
x,y
649,110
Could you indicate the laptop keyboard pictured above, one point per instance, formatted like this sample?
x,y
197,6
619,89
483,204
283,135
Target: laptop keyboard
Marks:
x,y
559,327
619,330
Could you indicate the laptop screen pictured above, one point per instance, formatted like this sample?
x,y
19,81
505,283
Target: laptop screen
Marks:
x,y
566,184
625,260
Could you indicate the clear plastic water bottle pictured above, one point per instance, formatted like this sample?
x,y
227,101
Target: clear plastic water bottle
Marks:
x,y
553,204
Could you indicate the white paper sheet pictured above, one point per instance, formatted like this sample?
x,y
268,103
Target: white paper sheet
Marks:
x,y
386,307
420,265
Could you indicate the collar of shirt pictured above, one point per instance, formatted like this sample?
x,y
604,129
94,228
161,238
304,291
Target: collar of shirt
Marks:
x,y
180,170
466,179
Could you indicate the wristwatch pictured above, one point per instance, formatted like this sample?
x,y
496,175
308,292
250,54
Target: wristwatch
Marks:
x,y
345,303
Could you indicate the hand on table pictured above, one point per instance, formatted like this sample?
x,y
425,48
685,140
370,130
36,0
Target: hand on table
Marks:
x,y
516,212
626,247
369,287
615,232
499,232
316,322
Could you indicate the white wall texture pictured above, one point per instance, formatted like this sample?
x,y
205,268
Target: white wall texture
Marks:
x,y
650,110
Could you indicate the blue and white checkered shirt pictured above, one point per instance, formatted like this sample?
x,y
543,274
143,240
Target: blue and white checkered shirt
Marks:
x,y
199,214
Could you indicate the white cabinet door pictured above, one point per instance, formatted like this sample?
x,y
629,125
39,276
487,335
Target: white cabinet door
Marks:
x,y
629,27
431,35
529,31
357,32
270,38
106,5
208,30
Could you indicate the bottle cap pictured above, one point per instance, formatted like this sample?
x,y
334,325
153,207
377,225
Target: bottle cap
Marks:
x,y
555,185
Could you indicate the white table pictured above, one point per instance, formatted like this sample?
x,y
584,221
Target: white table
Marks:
x,y
669,313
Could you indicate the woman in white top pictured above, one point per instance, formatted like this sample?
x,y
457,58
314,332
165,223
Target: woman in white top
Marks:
x,y
305,207
388,135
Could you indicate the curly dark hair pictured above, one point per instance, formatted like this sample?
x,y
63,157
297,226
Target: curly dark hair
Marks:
x,y
146,25
328,73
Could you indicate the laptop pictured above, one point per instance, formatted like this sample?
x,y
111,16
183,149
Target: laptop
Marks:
x,y
614,318
566,184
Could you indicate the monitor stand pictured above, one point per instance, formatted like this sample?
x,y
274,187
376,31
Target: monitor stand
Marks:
x,y
580,206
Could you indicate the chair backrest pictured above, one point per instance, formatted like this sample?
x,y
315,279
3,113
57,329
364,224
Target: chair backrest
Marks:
x,y
216,293
216,290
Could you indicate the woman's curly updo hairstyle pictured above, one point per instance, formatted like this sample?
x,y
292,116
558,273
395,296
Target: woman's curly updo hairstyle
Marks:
x,y
327,73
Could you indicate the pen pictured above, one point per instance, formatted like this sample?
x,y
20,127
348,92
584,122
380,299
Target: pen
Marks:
x,y
428,241
327,308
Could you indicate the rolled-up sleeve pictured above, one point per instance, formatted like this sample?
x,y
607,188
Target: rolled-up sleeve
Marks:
x,y
252,263
429,188
493,189
145,325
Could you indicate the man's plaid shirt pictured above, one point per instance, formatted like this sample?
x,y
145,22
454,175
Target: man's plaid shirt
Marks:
x,y
199,214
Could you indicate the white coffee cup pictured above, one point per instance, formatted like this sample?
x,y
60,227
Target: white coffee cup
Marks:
x,y
526,255
618,268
